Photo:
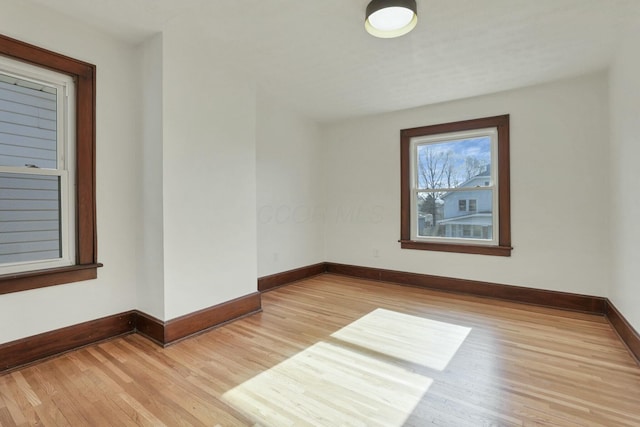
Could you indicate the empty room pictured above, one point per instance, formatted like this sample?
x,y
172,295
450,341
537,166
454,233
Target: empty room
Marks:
x,y
319,213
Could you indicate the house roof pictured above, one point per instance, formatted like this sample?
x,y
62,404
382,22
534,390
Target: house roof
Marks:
x,y
465,185
483,219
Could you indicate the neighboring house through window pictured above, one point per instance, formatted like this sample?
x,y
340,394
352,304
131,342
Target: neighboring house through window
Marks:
x,y
455,187
36,173
47,168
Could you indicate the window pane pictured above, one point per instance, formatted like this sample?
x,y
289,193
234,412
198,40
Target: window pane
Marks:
x,y
29,218
430,212
27,123
440,214
452,164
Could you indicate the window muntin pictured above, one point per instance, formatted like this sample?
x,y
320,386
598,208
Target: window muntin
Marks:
x,y
469,236
36,180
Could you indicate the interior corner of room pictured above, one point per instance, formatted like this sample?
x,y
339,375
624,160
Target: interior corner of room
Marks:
x,y
213,177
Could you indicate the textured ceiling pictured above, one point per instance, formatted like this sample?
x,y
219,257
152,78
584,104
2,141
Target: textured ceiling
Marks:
x,y
316,56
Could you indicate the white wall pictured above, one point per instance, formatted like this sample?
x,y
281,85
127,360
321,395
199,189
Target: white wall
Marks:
x,y
625,154
290,189
118,193
209,174
150,286
181,198
559,189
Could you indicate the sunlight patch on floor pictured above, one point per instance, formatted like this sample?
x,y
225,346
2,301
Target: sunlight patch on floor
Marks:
x,y
415,339
363,376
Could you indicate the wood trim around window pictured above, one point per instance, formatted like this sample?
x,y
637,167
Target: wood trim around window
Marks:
x,y
84,76
504,204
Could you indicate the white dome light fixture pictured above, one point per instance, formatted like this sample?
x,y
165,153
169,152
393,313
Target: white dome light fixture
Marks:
x,y
391,18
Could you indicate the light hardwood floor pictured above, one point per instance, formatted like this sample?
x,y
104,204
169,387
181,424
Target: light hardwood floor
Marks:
x,y
332,351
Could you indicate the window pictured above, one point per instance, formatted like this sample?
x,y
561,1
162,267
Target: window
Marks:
x,y
36,153
456,175
47,168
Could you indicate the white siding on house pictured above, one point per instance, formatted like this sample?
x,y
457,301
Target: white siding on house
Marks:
x,y
483,198
29,203
29,217
27,126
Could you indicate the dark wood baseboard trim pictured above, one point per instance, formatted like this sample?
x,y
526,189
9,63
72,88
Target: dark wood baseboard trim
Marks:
x,y
150,327
166,333
273,281
546,298
624,329
202,320
540,297
25,351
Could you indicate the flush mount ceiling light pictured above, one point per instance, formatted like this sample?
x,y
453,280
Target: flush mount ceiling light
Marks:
x,y
391,18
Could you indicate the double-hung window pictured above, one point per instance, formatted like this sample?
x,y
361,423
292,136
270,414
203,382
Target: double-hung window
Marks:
x,y
47,168
455,187
36,177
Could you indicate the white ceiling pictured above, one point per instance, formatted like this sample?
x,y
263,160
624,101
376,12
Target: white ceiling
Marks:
x,y
316,56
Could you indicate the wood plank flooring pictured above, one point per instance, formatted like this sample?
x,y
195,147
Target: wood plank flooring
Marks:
x,y
333,350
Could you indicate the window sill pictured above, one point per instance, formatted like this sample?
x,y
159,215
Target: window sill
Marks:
x,y
17,282
459,248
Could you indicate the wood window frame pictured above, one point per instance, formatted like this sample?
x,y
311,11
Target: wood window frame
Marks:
x,y
84,76
503,248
